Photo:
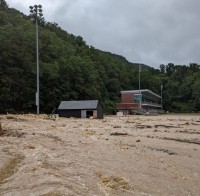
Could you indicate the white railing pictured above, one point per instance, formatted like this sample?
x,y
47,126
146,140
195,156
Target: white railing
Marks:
x,y
151,103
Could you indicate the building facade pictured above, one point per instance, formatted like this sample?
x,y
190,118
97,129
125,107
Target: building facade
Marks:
x,y
135,101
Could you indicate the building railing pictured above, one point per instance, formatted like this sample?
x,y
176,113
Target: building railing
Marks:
x,y
151,103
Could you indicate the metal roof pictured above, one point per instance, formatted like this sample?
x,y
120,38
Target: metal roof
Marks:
x,y
141,91
77,105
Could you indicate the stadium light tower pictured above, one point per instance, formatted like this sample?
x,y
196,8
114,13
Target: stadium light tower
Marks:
x,y
36,13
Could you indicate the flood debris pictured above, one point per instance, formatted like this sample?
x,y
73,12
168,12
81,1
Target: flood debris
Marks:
x,y
169,152
16,118
119,134
187,132
166,126
143,126
116,126
3,132
114,182
189,141
7,132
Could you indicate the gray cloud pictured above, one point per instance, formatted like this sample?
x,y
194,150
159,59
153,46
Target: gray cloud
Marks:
x,y
146,31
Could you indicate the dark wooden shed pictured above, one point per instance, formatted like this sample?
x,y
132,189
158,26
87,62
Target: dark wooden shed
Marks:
x,y
81,109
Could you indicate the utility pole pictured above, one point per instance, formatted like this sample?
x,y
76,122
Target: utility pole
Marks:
x,y
161,88
36,13
140,97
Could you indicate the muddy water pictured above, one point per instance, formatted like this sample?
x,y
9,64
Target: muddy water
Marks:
x,y
132,155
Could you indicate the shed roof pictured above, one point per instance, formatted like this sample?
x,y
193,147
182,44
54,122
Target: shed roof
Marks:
x,y
77,105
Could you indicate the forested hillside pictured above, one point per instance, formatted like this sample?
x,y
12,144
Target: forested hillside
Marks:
x,y
72,70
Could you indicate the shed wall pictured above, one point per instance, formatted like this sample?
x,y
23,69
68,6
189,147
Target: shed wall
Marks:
x,y
70,113
99,111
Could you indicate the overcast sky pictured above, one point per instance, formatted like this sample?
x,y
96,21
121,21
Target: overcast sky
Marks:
x,y
152,32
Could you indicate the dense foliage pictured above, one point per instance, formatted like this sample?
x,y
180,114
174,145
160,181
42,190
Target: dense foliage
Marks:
x,y
72,70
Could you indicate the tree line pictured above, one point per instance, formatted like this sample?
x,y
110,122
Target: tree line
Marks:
x,y
72,70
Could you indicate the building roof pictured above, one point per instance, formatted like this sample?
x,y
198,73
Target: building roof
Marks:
x,y
78,105
141,91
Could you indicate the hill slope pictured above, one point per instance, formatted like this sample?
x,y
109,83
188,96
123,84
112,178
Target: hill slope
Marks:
x,y
69,68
